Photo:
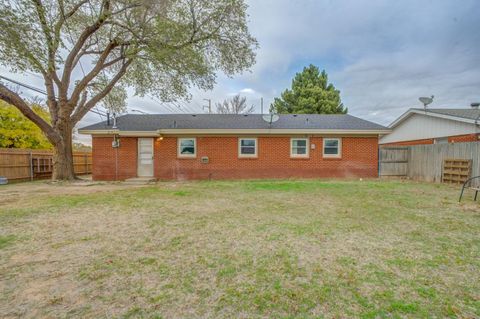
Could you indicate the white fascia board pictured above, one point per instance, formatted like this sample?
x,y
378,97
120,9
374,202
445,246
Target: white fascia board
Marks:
x,y
98,132
120,133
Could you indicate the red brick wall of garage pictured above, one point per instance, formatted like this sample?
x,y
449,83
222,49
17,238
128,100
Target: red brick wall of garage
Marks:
x,y
409,143
451,139
359,159
464,138
105,167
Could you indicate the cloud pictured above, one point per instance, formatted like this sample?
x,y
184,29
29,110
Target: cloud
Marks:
x,y
247,91
382,55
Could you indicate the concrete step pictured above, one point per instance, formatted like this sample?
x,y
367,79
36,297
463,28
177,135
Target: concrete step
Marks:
x,y
140,180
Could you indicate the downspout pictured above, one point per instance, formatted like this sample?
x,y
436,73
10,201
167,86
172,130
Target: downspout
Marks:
x,y
116,161
116,147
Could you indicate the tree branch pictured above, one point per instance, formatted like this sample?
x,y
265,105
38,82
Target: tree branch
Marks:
x,y
99,66
14,99
81,111
51,99
87,32
52,42
126,8
43,22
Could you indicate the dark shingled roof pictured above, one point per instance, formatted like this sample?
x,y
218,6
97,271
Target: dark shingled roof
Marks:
x,y
152,122
471,114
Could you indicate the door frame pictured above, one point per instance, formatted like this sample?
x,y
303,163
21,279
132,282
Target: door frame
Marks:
x,y
138,157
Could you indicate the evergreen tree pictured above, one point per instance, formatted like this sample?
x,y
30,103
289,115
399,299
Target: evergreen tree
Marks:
x,y
310,94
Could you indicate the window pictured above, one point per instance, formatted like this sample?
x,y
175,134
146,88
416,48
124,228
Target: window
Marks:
x,y
299,147
332,147
187,147
247,147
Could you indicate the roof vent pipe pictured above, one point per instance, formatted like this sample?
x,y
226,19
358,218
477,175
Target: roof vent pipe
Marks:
x,y
114,121
475,105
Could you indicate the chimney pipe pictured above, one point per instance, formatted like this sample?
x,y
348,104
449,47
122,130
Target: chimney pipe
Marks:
x,y
108,118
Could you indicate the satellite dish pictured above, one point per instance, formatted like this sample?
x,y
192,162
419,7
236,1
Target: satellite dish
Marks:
x,y
270,118
426,100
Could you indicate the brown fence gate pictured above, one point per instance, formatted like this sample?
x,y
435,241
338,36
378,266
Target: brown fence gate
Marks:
x,y
393,161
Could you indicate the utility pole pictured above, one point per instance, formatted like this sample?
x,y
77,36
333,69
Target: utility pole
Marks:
x,y
209,105
261,104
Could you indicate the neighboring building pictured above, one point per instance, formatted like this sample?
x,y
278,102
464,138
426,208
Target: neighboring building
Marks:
x,y
182,146
432,126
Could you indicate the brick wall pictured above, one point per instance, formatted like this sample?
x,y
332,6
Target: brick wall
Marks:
x,y
464,138
409,143
359,159
105,158
451,139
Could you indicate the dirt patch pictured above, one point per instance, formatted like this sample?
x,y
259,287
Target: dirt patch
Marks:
x,y
16,194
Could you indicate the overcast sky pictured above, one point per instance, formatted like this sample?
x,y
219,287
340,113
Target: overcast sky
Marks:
x,y
381,55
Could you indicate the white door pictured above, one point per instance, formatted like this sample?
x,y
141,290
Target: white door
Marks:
x,y
145,157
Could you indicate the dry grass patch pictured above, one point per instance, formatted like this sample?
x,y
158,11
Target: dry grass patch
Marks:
x,y
244,249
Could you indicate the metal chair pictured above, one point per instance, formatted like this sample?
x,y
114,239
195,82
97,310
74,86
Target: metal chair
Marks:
x,y
475,188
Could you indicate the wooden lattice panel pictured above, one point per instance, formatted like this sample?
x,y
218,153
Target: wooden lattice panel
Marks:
x,y
456,171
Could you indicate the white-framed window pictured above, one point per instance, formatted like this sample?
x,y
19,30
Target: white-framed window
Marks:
x,y
332,147
187,147
247,147
299,147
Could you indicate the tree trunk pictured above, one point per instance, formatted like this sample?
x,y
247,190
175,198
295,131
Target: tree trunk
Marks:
x,y
63,155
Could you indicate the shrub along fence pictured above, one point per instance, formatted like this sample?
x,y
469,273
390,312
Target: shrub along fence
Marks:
x,y
27,165
425,162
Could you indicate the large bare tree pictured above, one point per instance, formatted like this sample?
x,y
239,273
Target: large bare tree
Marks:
x,y
235,105
86,50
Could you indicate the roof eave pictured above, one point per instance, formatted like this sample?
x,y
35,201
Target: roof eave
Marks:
x,y
408,113
235,131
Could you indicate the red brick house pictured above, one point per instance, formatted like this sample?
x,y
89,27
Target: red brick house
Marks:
x,y
434,126
188,146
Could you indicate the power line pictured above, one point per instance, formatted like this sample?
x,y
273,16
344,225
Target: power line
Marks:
x,y
183,107
198,105
189,108
40,91
176,108
24,85
168,107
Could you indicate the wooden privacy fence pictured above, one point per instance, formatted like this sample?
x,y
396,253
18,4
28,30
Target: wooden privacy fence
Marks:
x,y
425,162
393,161
29,165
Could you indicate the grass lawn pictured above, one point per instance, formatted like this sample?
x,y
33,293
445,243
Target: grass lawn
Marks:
x,y
239,249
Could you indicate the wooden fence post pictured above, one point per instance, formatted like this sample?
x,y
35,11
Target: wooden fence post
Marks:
x,y
31,166
86,163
